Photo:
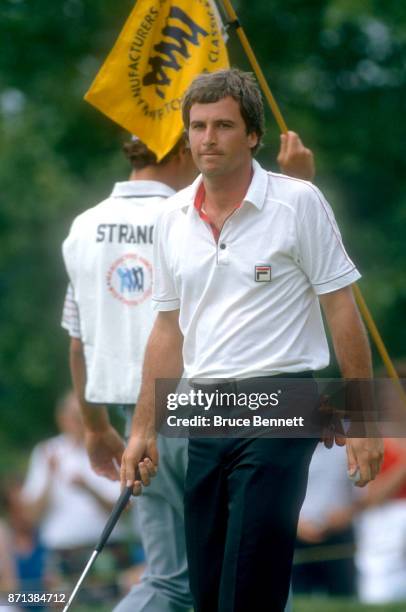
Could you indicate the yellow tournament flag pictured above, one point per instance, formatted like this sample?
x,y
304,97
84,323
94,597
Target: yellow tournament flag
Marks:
x,y
164,44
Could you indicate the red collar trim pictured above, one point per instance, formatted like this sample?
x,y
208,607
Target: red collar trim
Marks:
x,y
198,204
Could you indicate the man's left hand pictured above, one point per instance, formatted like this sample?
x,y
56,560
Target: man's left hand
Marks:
x,y
365,454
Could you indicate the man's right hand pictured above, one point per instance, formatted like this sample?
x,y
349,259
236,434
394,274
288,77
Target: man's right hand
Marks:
x,y
139,462
105,449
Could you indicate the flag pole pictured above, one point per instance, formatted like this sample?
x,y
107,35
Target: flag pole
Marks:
x,y
366,314
234,22
378,340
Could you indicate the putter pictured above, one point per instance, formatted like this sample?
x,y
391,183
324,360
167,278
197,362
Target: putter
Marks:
x,y
111,523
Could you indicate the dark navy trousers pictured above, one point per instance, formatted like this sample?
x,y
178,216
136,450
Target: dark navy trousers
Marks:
x,y
242,503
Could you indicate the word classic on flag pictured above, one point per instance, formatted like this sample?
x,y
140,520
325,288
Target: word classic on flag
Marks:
x,y
164,44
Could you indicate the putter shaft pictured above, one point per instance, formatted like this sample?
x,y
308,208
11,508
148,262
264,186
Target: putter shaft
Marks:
x,y
111,523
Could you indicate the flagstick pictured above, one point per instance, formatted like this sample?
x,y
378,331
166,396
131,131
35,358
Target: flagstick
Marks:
x,y
254,63
378,341
370,323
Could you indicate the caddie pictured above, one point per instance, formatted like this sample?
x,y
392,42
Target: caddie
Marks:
x,y
108,314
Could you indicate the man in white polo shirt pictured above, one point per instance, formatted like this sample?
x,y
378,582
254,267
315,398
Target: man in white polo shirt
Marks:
x,y
242,258
108,314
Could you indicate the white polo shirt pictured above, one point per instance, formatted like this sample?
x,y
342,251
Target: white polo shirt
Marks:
x,y
73,516
108,257
248,304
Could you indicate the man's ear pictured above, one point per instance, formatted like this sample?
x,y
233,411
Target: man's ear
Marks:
x,y
253,140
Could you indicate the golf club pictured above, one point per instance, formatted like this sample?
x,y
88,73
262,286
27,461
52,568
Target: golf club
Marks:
x,y
113,518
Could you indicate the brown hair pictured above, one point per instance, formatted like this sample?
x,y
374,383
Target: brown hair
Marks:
x,y
241,86
140,156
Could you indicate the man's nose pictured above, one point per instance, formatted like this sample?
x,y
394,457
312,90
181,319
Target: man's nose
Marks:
x,y
209,135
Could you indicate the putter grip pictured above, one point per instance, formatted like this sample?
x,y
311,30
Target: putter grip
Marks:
x,y
114,516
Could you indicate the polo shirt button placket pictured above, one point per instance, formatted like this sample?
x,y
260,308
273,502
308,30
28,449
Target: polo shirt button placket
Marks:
x,y
222,253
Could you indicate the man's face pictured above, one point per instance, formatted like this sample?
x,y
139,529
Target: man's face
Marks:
x,y
218,138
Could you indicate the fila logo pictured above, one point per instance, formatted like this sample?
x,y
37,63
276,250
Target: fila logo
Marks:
x,y
263,274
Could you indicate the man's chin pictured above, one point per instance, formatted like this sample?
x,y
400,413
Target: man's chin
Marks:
x,y
211,169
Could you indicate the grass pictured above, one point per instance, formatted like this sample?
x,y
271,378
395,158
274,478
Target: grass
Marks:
x,y
303,604
322,604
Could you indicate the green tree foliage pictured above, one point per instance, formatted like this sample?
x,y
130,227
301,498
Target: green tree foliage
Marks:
x,y
337,68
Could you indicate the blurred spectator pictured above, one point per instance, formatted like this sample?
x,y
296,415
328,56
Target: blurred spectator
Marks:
x,y
325,535
8,578
324,560
381,528
68,501
381,531
28,554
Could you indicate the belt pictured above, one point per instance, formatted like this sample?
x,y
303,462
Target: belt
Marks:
x,y
240,385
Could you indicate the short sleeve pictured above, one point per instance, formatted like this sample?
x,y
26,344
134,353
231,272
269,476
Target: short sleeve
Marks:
x,y
70,315
321,252
164,295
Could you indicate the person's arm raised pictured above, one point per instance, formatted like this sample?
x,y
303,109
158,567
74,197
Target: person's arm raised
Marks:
x,y
294,158
163,360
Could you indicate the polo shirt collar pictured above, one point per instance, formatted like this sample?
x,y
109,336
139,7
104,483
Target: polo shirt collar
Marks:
x,y
256,193
142,189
